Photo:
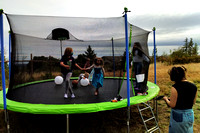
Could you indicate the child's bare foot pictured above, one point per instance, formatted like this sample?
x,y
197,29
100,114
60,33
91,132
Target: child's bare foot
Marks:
x,y
96,93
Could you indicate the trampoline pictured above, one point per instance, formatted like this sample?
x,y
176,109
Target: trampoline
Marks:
x,y
35,56
45,97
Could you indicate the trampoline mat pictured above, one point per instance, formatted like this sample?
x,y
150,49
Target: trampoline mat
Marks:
x,y
50,93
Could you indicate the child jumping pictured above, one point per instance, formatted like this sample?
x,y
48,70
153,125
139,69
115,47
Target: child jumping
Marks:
x,y
67,64
98,76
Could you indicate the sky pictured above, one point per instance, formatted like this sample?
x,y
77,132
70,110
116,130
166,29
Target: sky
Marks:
x,y
174,19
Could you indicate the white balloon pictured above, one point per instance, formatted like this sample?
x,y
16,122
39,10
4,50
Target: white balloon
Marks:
x,y
58,80
84,82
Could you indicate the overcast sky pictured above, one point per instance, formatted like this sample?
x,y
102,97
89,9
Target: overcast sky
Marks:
x,y
174,19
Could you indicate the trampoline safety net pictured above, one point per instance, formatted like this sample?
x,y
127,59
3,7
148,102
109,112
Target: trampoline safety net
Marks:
x,y
38,43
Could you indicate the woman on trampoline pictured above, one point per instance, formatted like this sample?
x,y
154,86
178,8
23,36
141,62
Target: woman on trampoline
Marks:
x,y
183,96
138,58
67,64
98,75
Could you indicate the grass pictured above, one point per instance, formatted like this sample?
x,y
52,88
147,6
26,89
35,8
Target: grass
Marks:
x,y
112,120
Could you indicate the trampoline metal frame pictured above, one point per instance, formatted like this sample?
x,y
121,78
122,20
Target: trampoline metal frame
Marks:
x,y
77,108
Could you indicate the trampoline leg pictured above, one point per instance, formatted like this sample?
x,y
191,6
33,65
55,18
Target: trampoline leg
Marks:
x,y
7,120
67,121
155,107
128,119
157,110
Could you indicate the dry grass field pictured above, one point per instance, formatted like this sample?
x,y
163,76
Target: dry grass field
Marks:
x,y
113,121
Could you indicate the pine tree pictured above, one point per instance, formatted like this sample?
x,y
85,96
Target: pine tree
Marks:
x,y
89,53
190,47
195,49
185,47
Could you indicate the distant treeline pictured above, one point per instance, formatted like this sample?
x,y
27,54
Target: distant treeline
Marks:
x,y
188,53
177,60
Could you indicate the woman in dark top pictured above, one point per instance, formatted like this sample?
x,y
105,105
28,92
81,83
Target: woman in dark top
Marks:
x,y
183,97
139,57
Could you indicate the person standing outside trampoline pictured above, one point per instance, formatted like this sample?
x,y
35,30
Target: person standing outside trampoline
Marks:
x,y
183,97
67,64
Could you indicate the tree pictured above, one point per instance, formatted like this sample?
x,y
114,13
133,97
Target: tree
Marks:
x,y
185,47
89,53
190,47
185,54
180,52
195,49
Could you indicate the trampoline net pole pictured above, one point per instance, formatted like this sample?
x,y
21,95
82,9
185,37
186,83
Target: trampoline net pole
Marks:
x,y
127,68
3,70
155,80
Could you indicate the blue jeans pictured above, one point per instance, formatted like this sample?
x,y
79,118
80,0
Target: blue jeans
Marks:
x,y
181,121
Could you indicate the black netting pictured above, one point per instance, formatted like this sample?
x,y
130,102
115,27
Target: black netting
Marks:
x,y
38,42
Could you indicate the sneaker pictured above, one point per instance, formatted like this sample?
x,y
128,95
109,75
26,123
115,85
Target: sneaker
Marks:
x,y
114,100
72,96
119,98
65,96
139,94
142,94
145,93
